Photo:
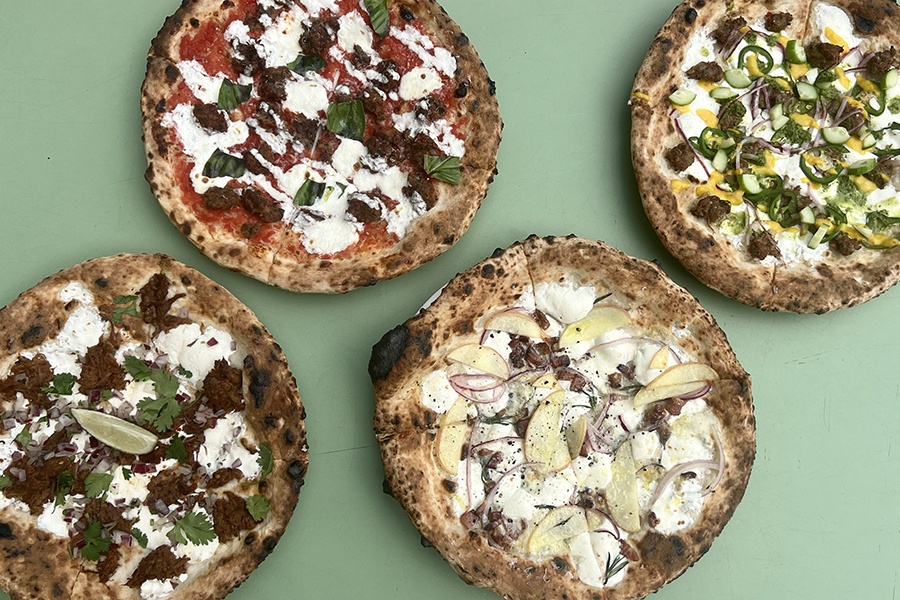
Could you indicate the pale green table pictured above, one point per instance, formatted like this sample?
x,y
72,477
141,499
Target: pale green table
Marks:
x,y
821,517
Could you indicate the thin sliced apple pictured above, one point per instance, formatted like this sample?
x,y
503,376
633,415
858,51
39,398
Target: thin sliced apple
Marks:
x,y
560,524
449,441
457,413
575,436
547,382
660,360
678,380
544,442
622,492
515,323
481,358
601,319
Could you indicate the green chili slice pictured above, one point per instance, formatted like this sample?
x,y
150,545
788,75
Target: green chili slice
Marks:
x,y
765,65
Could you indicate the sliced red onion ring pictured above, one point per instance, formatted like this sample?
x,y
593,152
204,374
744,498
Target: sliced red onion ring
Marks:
x,y
702,391
675,472
478,390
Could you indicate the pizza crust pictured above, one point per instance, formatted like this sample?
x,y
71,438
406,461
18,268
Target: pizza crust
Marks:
x,y
273,260
406,431
34,563
838,281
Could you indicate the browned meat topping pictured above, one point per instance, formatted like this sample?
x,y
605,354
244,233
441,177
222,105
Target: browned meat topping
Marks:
x,y
223,476
711,209
221,198
762,244
39,483
107,566
100,370
155,303
222,389
823,55
210,117
231,517
680,157
362,212
260,205
728,28
845,244
778,21
706,71
27,376
881,62
319,36
160,564
271,86
167,488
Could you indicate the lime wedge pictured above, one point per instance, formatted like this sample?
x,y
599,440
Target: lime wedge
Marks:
x,y
115,432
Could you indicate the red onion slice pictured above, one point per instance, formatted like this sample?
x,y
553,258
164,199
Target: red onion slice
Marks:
x,y
702,391
675,472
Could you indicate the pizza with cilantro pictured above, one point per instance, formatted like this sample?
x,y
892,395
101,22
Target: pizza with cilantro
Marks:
x,y
318,145
152,442
563,421
776,179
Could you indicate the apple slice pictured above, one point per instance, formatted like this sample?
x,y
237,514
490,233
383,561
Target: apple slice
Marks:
x,y
601,319
516,323
560,524
678,380
544,442
452,434
660,360
622,493
480,358
575,436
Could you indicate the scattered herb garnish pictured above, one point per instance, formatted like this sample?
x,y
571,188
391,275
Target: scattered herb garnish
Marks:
x,y
613,566
232,94
162,410
379,15
64,481
347,119
177,450
183,372
309,192
126,473
127,306
139,536
96,484
24,437
265,461
879,220
257,506
445,168
221,164
304,64
193,528
4,482
62,384
94,543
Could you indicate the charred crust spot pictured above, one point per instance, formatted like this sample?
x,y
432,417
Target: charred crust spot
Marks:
x,y
492,87
462,39
461,90
171,73
863,24
296,470
406,14
195,23
289,437
6,532
488,271
560,564
825,271
57,590
101,282
32,335
270,421
388,351
678,546
160,106
690,15
449,240
449,485
250,539
386,488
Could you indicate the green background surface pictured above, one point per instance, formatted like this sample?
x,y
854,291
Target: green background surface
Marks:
x,y
821,517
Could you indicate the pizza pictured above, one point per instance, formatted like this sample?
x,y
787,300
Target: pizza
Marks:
x,y
318,145
563,421
152,442
764,141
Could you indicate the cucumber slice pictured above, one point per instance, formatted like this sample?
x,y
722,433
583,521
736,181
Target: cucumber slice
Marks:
x,y
737,78
682,97
868,141
861,167
807,215
720,161
795,53
722,93
807,91
780,122
818,236
749,183
776,111
890,79
835,135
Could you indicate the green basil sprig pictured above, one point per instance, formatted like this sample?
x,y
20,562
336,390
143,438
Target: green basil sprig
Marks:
x,y
444,168
232,94
309,192
379,15
222,164
304,64
347,119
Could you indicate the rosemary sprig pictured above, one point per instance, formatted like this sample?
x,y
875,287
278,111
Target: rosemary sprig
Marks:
x,y
613,566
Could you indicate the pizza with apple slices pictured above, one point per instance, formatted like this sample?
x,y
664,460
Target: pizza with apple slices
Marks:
x,y
318,145
564,421
152,442
776,179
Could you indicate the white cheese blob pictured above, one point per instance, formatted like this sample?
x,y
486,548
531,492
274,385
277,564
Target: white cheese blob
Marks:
x,y
195,350
678,506
418,83
51,520
438,58
354,31
347,155
594,471
222,447
155,589
565,302
83,328
204,86
280,43
314,7
134,487
305,97
437,394
825,15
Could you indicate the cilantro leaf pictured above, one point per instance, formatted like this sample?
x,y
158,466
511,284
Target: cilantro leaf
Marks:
x,y
139,536
879,220
257,506
138,369
126,473
94,543
96,484
177,450
160,412
64,481
193,528
265,461
183,372
24,437
128,307
62,384
5,482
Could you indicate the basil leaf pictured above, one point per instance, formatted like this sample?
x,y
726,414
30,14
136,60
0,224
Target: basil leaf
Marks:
x,y
445,168
221,164
309,192
379,15
347,119
232,94
304,64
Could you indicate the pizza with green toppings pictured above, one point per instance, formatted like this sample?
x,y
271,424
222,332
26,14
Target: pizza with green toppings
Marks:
x,y
563,421
152,442
318,145
776,181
